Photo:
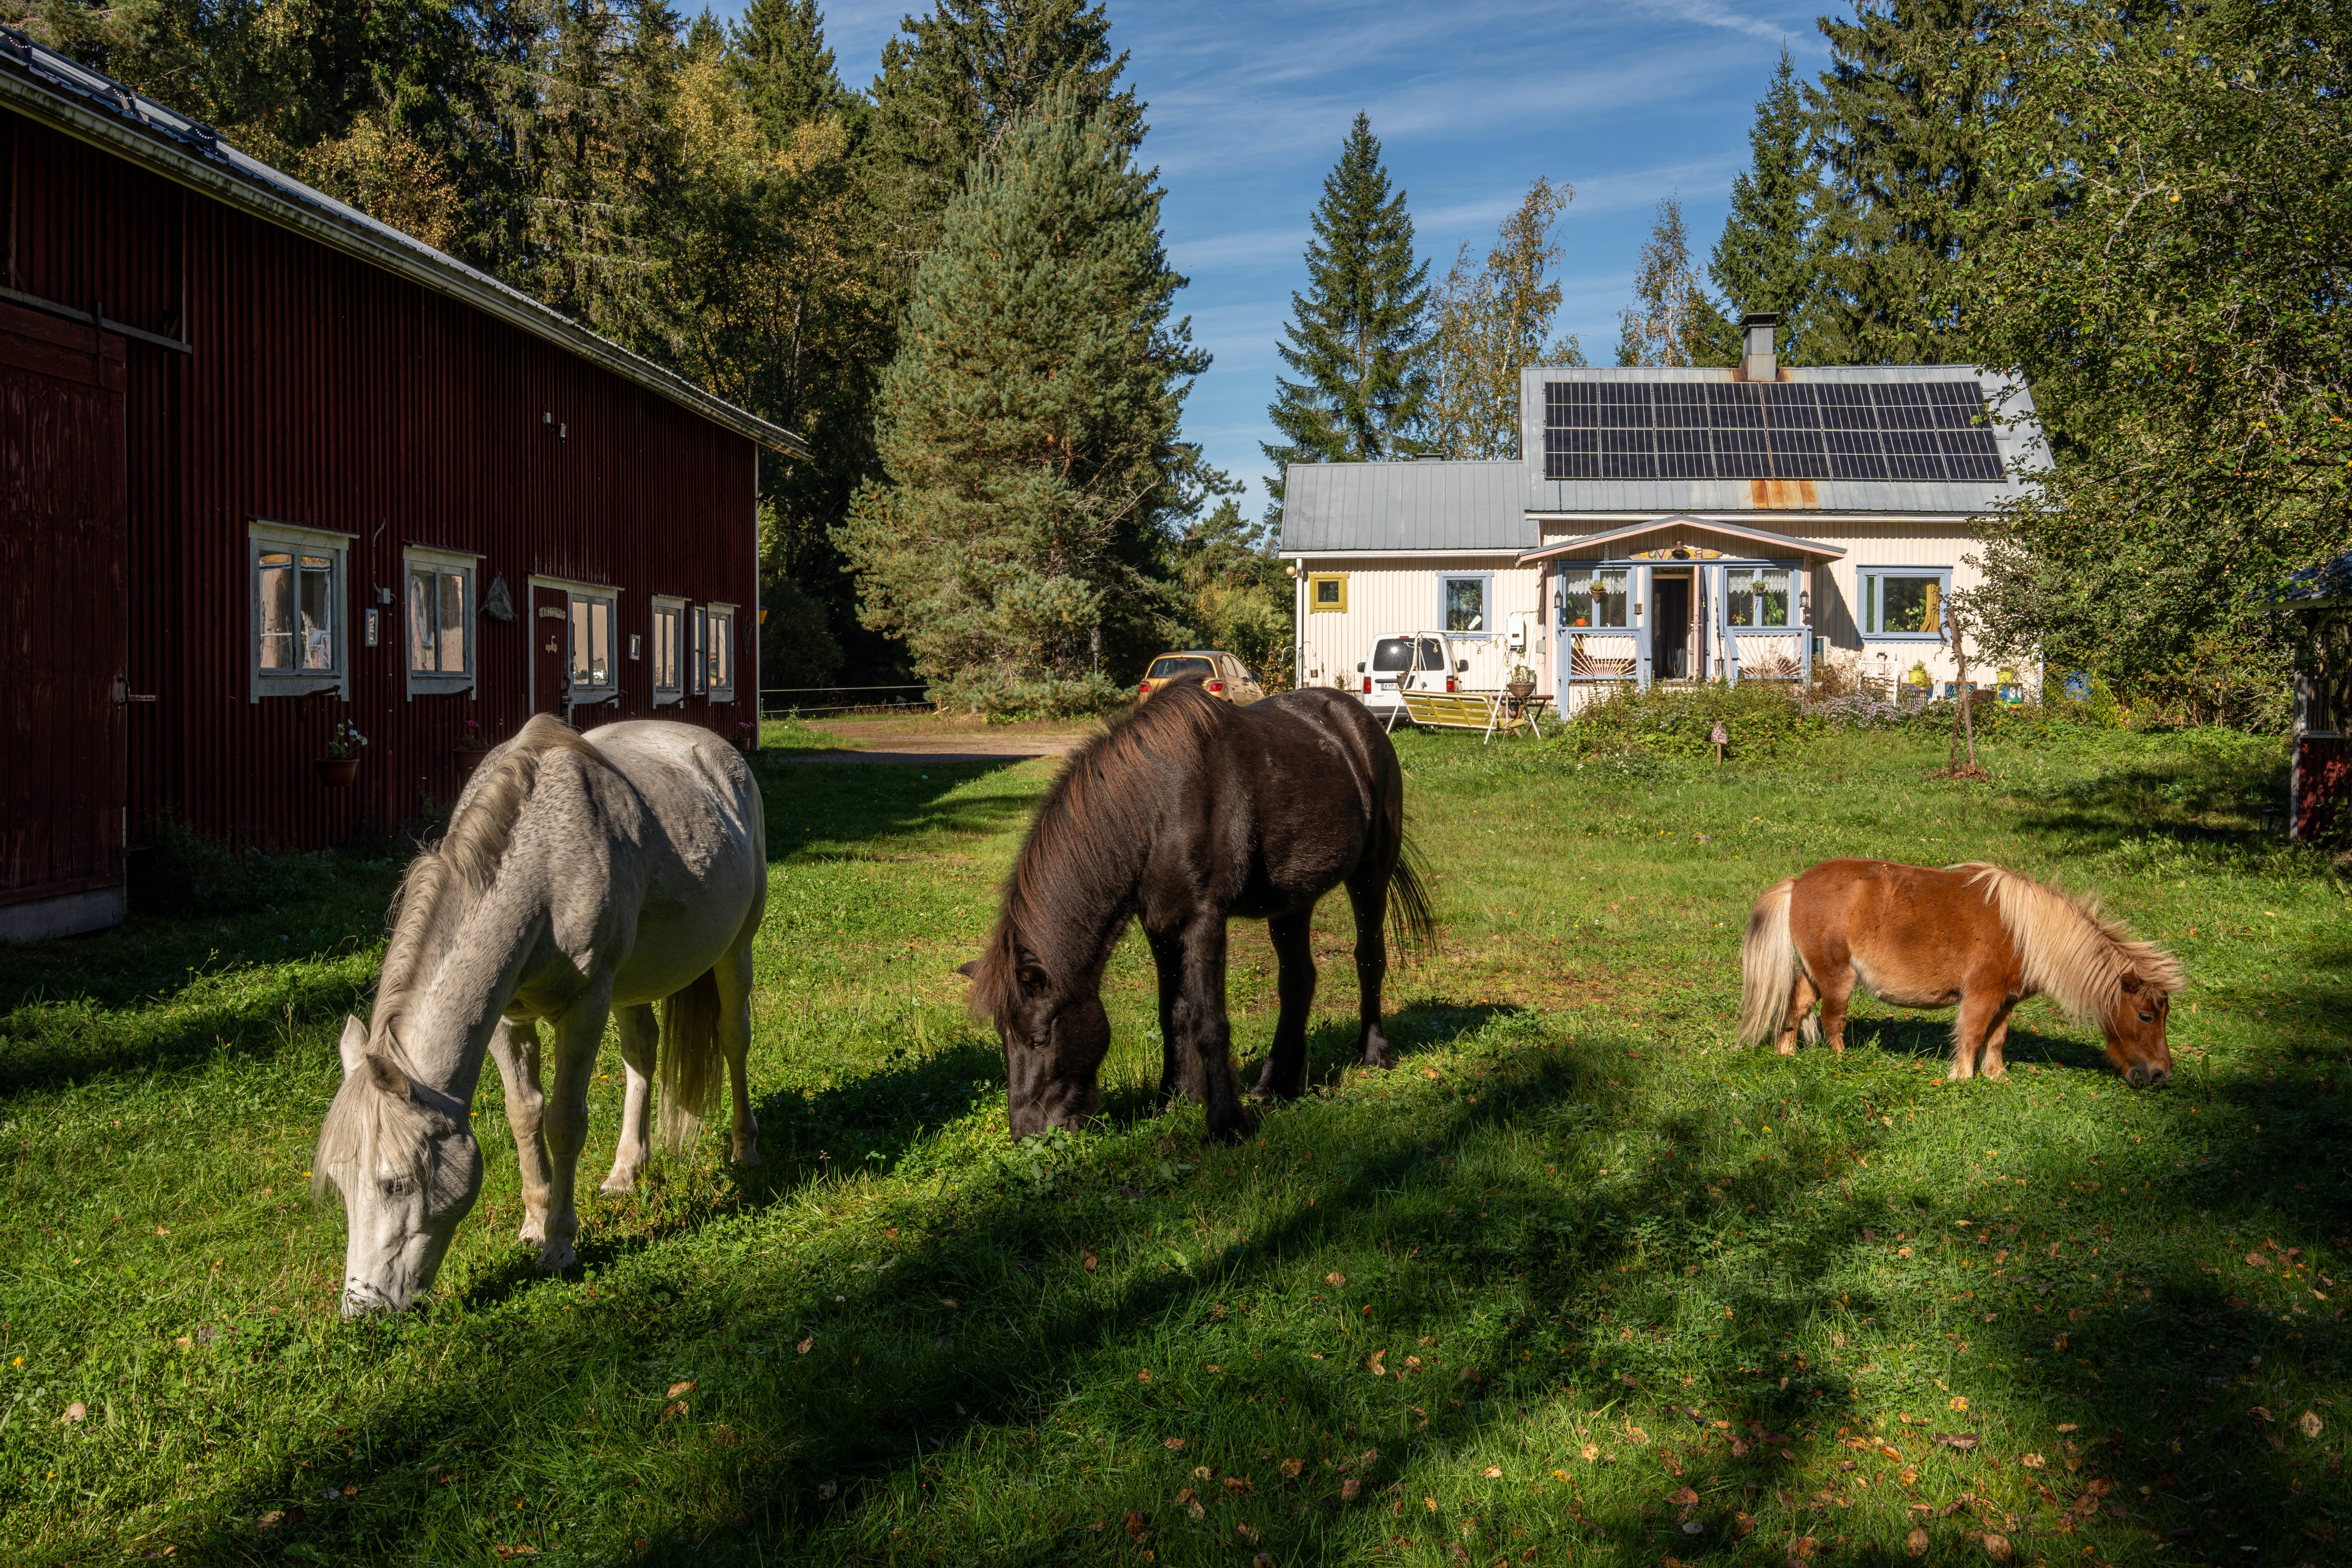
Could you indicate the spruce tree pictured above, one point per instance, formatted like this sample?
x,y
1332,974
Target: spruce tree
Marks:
x,y
1028,427
1356,339
951,84
1765,260
1898,120
785,70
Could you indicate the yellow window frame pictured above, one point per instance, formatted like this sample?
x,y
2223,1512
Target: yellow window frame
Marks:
x,y
1316,604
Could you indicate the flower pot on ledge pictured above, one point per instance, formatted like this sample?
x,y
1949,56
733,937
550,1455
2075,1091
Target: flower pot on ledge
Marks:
x,y
337,772
468,759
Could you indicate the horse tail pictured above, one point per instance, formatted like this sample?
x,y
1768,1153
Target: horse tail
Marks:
x,y
1768,967
691,1061
1409,908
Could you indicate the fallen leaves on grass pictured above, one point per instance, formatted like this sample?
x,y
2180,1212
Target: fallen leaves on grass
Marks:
x,y
1191,1500
1962,1441
675,1407
1493,1472
1997,1547
1335,1279
74,1413
1173,1444
2032,1461
2309,1424
1239,1486
1960,1402
677,1388
1350,1489
827,1491
1290,1468
806,1345
1915,1543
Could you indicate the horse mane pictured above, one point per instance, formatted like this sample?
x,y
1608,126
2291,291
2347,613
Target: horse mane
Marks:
x,y
1086,846
464,863
2068,951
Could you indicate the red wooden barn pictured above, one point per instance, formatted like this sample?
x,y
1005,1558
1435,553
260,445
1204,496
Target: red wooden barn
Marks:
x,y
269,468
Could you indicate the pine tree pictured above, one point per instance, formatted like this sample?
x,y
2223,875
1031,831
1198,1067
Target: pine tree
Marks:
x,y
1671,321
951,84
1029,427
1489,323
1765,260
1899,121
1357,338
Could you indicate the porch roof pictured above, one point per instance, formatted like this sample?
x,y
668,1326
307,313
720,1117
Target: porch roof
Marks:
x,y
1683,522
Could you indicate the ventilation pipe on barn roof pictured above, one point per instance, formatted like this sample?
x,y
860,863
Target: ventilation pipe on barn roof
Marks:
x,y
1757,361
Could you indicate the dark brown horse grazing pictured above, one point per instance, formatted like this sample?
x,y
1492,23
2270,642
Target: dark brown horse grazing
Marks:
x,y
1976,935
1184,813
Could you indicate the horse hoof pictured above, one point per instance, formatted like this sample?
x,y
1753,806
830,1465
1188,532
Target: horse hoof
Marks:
x,y
1788,1048
747,1154
532,1234
555,1256
618,1183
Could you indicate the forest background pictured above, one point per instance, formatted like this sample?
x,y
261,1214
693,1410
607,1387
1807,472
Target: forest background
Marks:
x,y
2147,212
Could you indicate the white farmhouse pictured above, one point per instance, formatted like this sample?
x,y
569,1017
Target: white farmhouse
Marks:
x,y
1670,524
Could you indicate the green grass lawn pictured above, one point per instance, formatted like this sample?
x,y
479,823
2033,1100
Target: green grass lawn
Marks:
x,y
1580,1281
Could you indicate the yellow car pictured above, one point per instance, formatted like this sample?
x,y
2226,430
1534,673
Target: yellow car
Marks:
x,y
1221,672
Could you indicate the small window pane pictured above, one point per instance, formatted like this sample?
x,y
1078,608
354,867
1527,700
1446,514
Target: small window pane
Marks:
x,y
1912,604
1581,607
1465,604
1756,596
666,651
452,638
1432,654
318,625
580,650
1391,654
1327,591
276,610
723,644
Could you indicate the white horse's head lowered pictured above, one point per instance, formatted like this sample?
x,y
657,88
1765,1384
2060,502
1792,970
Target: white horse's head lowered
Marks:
x,y
401,1153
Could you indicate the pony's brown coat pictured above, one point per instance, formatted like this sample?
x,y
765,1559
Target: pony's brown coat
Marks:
x,y
1974,935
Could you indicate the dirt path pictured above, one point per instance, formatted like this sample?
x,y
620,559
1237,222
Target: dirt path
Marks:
x,y
934,741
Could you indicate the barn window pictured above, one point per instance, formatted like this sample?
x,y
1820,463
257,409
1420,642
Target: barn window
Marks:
x,y
719,648
299,641
670,651
596,668
1327,593
1905,602
439,607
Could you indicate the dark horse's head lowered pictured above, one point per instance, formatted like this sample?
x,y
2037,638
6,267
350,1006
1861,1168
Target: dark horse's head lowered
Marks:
x,y
1185,815
1067,903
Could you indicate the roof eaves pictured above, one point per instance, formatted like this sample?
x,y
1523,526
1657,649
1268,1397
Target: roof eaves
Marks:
x,y
37,81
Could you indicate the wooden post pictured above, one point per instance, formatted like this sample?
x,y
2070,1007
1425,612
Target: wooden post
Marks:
x,y
1721,737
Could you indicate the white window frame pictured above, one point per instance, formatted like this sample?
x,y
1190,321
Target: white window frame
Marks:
x,y
261,537
666,605
414,558
581,695
712,616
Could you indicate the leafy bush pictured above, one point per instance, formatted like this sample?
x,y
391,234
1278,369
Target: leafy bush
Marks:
x,y
184,873
1764,718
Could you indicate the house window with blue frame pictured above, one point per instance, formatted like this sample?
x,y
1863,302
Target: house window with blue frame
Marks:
x,y
1463,602
1905,602
1757,596
1593,596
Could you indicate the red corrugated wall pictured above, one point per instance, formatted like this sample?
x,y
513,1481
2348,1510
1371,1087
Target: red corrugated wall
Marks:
x,y
323,393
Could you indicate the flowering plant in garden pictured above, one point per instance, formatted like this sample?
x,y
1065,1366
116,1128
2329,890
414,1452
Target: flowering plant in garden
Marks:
x,y
344,740
471,739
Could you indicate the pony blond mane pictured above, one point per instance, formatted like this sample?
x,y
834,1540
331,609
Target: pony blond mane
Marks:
x,y
462,864
2068,951
1092,826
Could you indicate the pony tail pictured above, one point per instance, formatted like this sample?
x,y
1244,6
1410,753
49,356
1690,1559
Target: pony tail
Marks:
x,y
1409,907
690,1061
1768,963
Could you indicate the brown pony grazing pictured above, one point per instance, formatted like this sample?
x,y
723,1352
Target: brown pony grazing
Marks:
x,y
1976,935
1184,813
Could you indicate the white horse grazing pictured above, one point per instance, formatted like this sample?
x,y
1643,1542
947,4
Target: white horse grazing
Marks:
x,y
581,875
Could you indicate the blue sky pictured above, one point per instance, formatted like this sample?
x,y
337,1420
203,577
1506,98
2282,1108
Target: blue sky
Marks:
x,y
1627,100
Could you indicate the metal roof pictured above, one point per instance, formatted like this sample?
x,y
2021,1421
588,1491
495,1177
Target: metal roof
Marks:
x,y
1683,521
1429,506
2016,432
39,82
2317,586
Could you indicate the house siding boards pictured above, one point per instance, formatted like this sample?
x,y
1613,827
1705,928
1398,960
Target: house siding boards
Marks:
x,y
1386,597
326,393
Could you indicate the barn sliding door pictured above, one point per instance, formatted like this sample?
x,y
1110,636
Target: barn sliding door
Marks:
x,y
63,489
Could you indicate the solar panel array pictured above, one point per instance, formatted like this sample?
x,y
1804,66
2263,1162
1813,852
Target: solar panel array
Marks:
x,y
1767,430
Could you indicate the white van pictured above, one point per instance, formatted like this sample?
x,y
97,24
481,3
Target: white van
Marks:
x,y
1406,661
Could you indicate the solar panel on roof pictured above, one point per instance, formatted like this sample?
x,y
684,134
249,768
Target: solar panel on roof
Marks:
x,y
1764,430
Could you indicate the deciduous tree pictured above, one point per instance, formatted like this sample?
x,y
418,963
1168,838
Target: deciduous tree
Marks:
x,y
1491,321
1671,321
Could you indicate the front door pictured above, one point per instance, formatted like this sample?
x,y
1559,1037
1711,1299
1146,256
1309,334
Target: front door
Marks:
x,y
63,528
550,651
1670,627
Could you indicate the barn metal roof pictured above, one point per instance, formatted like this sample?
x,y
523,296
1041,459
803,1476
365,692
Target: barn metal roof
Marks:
x,y
44,85
1424,506
2317,587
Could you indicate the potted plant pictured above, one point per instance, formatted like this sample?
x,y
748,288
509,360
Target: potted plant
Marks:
x,y
341,765
471,746
745,733
1522,684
